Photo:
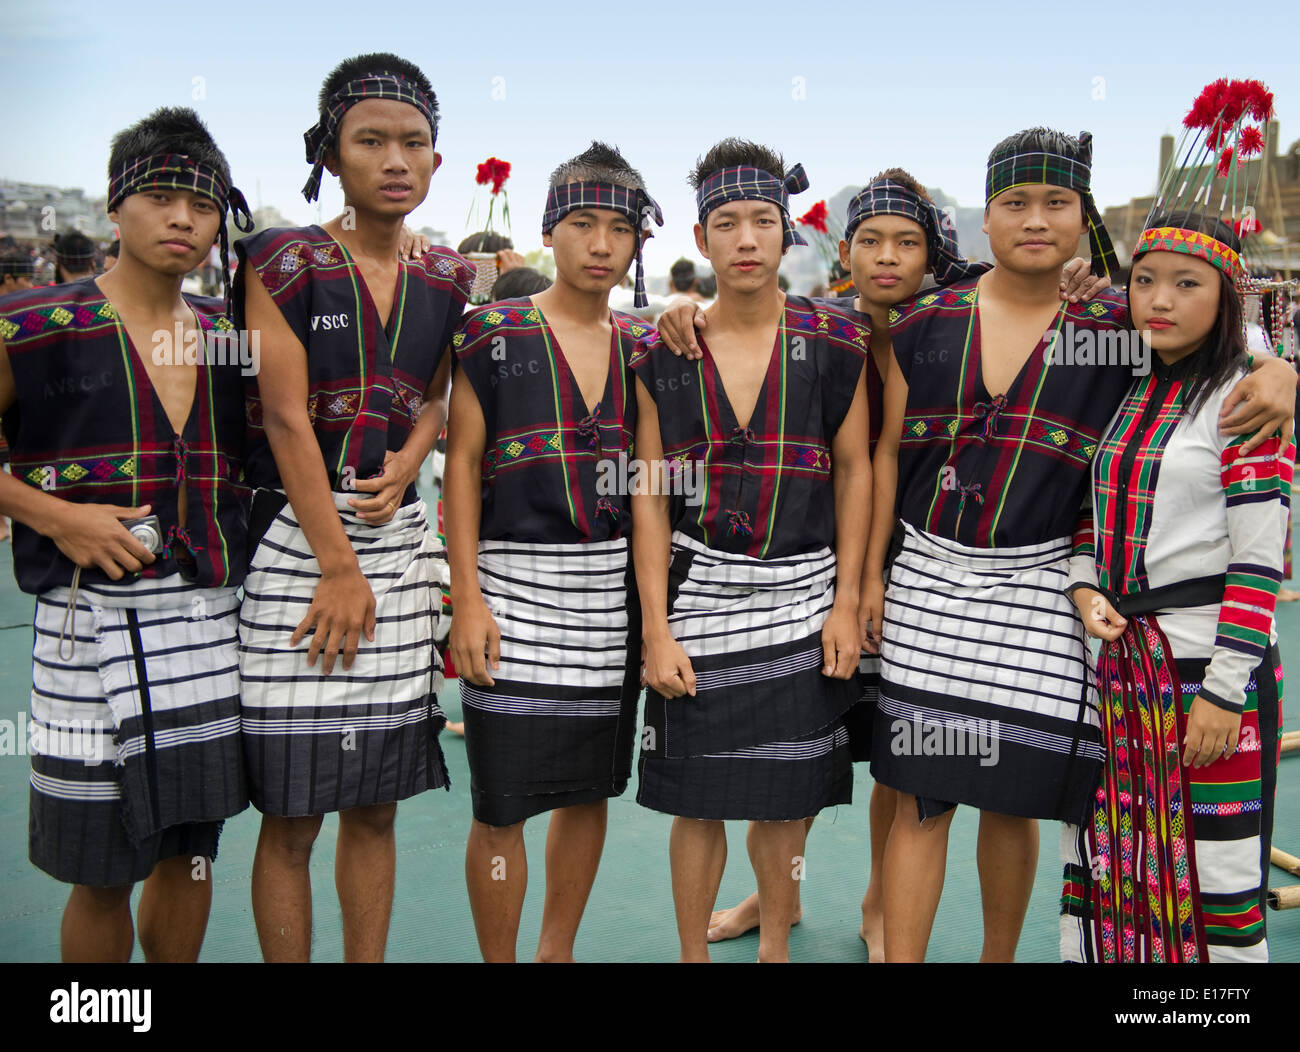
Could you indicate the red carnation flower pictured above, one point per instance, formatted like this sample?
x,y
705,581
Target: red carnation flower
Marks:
x,y
1259,100
1251,142
1208,105
1225,160
493,171
816,218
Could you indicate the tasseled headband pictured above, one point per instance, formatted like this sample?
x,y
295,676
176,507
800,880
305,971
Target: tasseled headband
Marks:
x,y
745,183
888,198
1036,168
174,171
321,135
637,205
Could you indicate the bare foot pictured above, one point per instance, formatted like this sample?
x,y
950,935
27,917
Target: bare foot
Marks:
x,y
457,729
735,922
872,933
1286,595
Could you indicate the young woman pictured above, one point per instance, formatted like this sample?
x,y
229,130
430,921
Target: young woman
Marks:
x,y
1189,530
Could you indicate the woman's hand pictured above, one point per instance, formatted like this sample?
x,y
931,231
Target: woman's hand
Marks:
x,y
1211,733
1099,618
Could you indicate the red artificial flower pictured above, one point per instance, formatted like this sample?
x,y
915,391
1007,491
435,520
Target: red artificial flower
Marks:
x,y
1251,142
1259,100
493,171
1246,225
1208,105
1225,160
816,218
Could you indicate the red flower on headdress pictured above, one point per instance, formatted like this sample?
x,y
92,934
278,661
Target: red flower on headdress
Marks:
x,y
816,218
1259,100
493,171
1225,161
1251,142
1246,225
1208,105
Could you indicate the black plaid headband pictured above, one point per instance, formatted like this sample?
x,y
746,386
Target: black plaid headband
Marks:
x,y
637,205
321,135
1037,169
75,260
884,197
745,183
175,171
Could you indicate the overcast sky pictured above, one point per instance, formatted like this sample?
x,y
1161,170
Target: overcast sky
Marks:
x,y
929,87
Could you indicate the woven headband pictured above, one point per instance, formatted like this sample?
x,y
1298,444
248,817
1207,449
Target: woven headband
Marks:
x,y
75,260
1192,243
745,183
174,171
884,197
321,135
1038,168
637,205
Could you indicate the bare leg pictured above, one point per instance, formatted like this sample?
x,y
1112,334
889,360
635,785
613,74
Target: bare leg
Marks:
x,y
282,887
743,917
364,866
1007,857
776,851
697,855
574,841
884,801
915,860
496,874
97,926
173,910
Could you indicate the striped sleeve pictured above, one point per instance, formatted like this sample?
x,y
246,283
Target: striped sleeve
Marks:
x,y
1083,565
1258,489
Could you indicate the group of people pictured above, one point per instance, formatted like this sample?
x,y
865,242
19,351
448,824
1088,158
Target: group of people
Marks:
x,y
812,532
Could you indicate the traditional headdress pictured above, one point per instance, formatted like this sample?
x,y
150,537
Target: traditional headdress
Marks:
x,y
888,198
1208,177
175,171
379,85
1038,167
637,205
745,183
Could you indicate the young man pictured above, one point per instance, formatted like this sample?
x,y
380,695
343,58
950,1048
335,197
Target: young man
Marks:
x,y
130,525
750,614
985,695
893,237
540,561
17,270
350,399
74,257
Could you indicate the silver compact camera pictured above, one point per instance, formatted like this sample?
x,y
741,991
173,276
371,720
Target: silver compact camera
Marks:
x,y
148,531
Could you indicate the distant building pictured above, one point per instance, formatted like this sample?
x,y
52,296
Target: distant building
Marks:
x,y
32,213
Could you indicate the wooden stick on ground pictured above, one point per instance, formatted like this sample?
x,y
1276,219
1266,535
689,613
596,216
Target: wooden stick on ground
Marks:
x,y
1284,861
1284,898
1291,742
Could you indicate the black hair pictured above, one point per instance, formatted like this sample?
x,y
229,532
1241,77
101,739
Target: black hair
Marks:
x,y
484,241
116,247
682,275
16,263
1224,351
72,251
520,281
599,162
170,129
783,283
707,286
904,178
732,153
379,62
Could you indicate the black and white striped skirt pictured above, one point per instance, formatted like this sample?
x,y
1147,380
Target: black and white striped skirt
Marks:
x,y
986,695
366,735
558,725
135,746
763,738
